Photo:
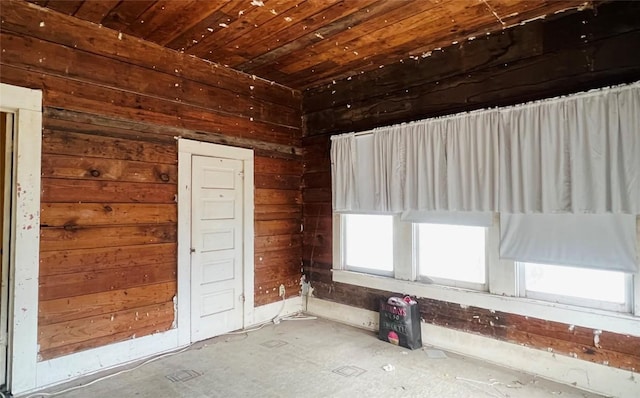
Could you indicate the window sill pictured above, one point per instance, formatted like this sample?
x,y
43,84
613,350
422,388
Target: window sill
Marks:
x,y
573,315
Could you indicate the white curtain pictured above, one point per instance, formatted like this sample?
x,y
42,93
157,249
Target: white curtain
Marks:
x,y
355,175
451,163
534,160
389,169
601,241
578,154
472,162
343,173
426,167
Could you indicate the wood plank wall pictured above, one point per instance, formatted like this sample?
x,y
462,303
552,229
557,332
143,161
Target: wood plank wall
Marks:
x,y
113,106
540,59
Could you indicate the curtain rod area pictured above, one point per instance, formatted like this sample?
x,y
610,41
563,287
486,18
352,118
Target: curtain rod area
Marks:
x,y
581,94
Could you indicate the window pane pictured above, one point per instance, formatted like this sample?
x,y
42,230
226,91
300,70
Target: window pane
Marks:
x,y
452,252
583,283
369,242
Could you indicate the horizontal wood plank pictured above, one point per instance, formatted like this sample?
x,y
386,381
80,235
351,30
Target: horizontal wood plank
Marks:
x,y
92,214
154,326
263,275
576,350
88,305
278,227
277,181
316,195
602,62
59,190
95,11
317,210
19,17
278,258
61,93
62,61
265,244
365,10
267,165
268,292
86,260
320,179
67,120
277,197
57,335
100,169
74,237
120,17
62,286
277,212
73,143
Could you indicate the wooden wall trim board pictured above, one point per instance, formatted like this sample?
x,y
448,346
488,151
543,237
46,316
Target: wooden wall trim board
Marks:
x,y
64,368
61,93
58,60
269,144
542,58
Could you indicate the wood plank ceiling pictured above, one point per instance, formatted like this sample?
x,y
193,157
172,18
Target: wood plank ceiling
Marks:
x,y
302,44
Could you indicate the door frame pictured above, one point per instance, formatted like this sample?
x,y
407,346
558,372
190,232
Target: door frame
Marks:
x,y
26,106
186,150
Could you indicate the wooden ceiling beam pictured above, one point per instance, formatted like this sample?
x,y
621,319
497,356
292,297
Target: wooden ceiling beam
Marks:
x,y
240,24
305,43
325,32
196,33
190,15
95,11
305,27
125,14
68,7
368,33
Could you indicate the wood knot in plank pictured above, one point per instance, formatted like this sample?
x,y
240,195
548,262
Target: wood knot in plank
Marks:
x,y
164,177
95,173
70,226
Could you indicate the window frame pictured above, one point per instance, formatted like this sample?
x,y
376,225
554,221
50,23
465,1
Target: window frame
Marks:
x,y
625,307
482,287
503,293
343,253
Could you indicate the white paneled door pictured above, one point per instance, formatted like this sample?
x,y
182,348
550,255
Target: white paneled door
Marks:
x,y
216,246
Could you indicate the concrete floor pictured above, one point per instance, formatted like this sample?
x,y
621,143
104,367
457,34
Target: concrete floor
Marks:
x,y
316,358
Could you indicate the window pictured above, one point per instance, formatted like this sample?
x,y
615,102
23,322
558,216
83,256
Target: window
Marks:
x,y
609,290
369,239
452,254
462,262
386,245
